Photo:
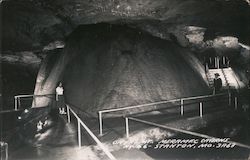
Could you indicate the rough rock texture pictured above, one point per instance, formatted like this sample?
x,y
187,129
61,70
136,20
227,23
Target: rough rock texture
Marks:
x,y
117,66
27,26
18,74
33,24
16,79
49,74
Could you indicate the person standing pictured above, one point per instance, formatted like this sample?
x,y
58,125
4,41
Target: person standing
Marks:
x,y
60,99
39,126
217,84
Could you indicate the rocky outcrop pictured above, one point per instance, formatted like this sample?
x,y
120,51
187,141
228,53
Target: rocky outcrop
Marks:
x,y
50,73
37,26
116,66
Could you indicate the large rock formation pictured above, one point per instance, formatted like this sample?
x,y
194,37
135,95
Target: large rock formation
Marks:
x,y
36,26
116,66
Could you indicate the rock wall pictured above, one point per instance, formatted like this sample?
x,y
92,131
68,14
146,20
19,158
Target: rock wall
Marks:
x,y
50,73
117,66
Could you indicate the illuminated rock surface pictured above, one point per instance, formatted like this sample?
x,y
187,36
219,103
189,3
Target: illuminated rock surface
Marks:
x,y
117,66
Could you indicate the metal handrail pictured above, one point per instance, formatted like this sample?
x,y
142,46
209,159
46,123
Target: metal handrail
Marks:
x,y
160,102
175,129
17,100
81,123
32,95
181,100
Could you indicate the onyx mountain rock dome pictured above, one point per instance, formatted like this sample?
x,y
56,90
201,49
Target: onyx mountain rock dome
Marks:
x,y
116,66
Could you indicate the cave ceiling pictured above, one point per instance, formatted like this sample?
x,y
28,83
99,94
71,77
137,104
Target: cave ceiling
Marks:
x,y
34,24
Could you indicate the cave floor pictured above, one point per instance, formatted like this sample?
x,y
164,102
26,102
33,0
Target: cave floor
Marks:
x,y
60,142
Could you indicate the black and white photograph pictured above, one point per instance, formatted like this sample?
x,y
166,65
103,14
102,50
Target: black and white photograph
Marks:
x,y
124,80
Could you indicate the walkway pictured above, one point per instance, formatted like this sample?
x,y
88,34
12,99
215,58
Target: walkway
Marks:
x,y
60,141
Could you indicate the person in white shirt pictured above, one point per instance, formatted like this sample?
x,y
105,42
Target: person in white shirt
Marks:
x,y
39,126
60,99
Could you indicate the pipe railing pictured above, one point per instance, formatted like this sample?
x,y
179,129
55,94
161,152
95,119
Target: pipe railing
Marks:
x,y
81,123
181,100
17,99
176,130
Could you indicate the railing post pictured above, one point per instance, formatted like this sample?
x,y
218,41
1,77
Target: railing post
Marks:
x,y
68,113
218,62
79,133
19,101
34,97
100,122
229,98
215,62
215,59
182,107
127,127
206,68
201,110
93,136
15,102
235,103
6,151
